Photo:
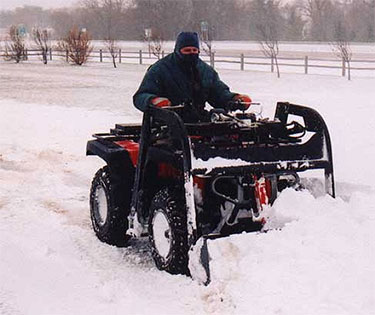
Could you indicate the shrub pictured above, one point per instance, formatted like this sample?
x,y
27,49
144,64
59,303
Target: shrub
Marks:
x,y
15,48
77,45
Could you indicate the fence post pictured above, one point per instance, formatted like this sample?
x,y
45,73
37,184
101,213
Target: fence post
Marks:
x,y
119,55
272,65
212,60
26,54
140,57
306,64
50,54
101,55
242,62
162,53
343,67
67,56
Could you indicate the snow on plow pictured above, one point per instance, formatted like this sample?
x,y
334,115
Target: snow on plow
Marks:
x,y
299,253
186,185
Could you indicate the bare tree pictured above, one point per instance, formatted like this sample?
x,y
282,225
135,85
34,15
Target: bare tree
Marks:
x,y
270,48
107,14
268,26
77,45
362,19
320,14
113,49
155,41
41,39
156,44
206,39
15,48
294,22
228,19
61,20
342,49
341,45
222,16
207,46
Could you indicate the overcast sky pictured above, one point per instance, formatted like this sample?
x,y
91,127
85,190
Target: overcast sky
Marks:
x,y
11,4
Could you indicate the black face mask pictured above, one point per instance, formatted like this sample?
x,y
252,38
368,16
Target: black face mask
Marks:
x,y
189,60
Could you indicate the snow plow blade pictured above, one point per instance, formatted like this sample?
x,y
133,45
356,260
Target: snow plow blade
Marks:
x,y
210,252
199,262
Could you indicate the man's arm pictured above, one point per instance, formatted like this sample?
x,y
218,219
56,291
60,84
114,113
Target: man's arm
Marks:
x,y
219,94
149,89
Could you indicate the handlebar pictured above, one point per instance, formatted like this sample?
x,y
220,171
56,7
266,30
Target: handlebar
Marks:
x,y
242,103
219,114
177,107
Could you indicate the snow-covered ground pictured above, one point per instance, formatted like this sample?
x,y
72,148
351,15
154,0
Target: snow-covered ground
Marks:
x,y
318,256
247,46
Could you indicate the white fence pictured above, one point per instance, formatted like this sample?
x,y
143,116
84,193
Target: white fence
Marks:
x,y
242,61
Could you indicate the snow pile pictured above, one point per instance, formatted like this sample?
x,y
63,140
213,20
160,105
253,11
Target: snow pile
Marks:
x,y
317,252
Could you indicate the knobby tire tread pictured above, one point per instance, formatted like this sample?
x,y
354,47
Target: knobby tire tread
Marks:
x,y
172,203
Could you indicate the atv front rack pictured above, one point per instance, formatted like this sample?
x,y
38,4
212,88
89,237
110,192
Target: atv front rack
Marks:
x,y
265,148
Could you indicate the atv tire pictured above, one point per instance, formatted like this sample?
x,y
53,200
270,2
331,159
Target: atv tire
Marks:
x,y
168,231
109,207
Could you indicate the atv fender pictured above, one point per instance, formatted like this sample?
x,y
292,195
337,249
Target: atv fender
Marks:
x,y
117,158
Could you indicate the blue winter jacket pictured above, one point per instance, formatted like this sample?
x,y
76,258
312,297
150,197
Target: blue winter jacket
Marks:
x,y
168,78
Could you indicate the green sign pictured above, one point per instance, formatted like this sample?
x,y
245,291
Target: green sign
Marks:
x,y
21,30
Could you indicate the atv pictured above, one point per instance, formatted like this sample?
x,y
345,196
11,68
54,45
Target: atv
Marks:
x,y
179,182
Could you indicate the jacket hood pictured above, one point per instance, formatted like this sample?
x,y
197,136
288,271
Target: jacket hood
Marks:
x,y
185,39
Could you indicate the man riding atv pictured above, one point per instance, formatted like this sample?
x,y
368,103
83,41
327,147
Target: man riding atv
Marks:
x,y
183,78
185,176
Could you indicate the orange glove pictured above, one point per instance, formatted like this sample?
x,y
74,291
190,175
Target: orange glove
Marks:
x,y
243,101
160,101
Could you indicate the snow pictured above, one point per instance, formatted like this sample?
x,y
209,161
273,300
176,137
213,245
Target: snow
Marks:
x,y
317,256
160,227
246,46
216,162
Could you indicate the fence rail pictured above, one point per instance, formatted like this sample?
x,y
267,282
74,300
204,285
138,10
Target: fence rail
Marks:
x,y
240,62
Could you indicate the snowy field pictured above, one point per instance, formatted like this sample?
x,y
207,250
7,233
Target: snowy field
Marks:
x,y
252,46
317,258
291,58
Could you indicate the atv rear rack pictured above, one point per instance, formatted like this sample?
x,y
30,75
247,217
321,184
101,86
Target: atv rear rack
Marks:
x,y
121,132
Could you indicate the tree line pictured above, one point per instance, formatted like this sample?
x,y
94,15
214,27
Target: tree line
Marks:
x,y
311,20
